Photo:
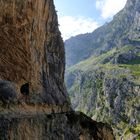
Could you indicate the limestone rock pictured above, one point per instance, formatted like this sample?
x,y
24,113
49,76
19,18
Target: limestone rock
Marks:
x,y
31,49
63,126
32,62
7,92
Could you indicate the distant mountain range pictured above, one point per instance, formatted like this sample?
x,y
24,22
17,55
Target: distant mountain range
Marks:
x,y
123,29
103,72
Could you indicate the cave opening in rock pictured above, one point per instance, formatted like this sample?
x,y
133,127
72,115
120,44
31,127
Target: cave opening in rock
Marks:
x,y
25,89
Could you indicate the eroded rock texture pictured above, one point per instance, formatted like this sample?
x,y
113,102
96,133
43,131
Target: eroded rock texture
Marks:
x,y
33,100
31,49
63,126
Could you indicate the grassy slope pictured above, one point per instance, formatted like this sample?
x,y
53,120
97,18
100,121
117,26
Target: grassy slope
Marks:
x,y
90,65
92,62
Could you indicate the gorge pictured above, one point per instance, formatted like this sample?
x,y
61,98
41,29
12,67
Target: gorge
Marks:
x,y
103,80
34,103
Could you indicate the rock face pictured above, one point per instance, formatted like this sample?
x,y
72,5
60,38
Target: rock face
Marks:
x,y
31,49
108,92
104,82
7,92
34,104
63,126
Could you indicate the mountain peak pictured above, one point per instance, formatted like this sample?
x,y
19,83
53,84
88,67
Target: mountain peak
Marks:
x,y
122,30
133,5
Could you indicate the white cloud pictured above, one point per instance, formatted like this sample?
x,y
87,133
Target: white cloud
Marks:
x,y
71,26
110,7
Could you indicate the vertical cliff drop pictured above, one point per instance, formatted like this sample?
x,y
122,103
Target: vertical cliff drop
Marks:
x,y
32,65
32,50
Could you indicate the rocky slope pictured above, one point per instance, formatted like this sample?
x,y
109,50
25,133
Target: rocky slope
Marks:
x,y
34,104
108,92
106,85
61,126
123,29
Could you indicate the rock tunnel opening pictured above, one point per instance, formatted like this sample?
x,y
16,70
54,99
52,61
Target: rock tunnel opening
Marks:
x,y
25,89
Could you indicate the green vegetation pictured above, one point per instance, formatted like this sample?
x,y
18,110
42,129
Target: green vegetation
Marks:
x,y
89,96
132,131
112,53
98,63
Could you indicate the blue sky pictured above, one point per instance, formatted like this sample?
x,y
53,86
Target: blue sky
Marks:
x,y
82,16
86,8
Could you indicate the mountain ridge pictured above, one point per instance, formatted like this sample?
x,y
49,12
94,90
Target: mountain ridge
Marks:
x,y
34,103
112,34
104,83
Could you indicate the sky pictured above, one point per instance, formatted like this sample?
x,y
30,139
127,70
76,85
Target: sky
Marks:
x,y
84,16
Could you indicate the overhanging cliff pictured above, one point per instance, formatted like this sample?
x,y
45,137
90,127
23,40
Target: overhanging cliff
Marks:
x,y
31,49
